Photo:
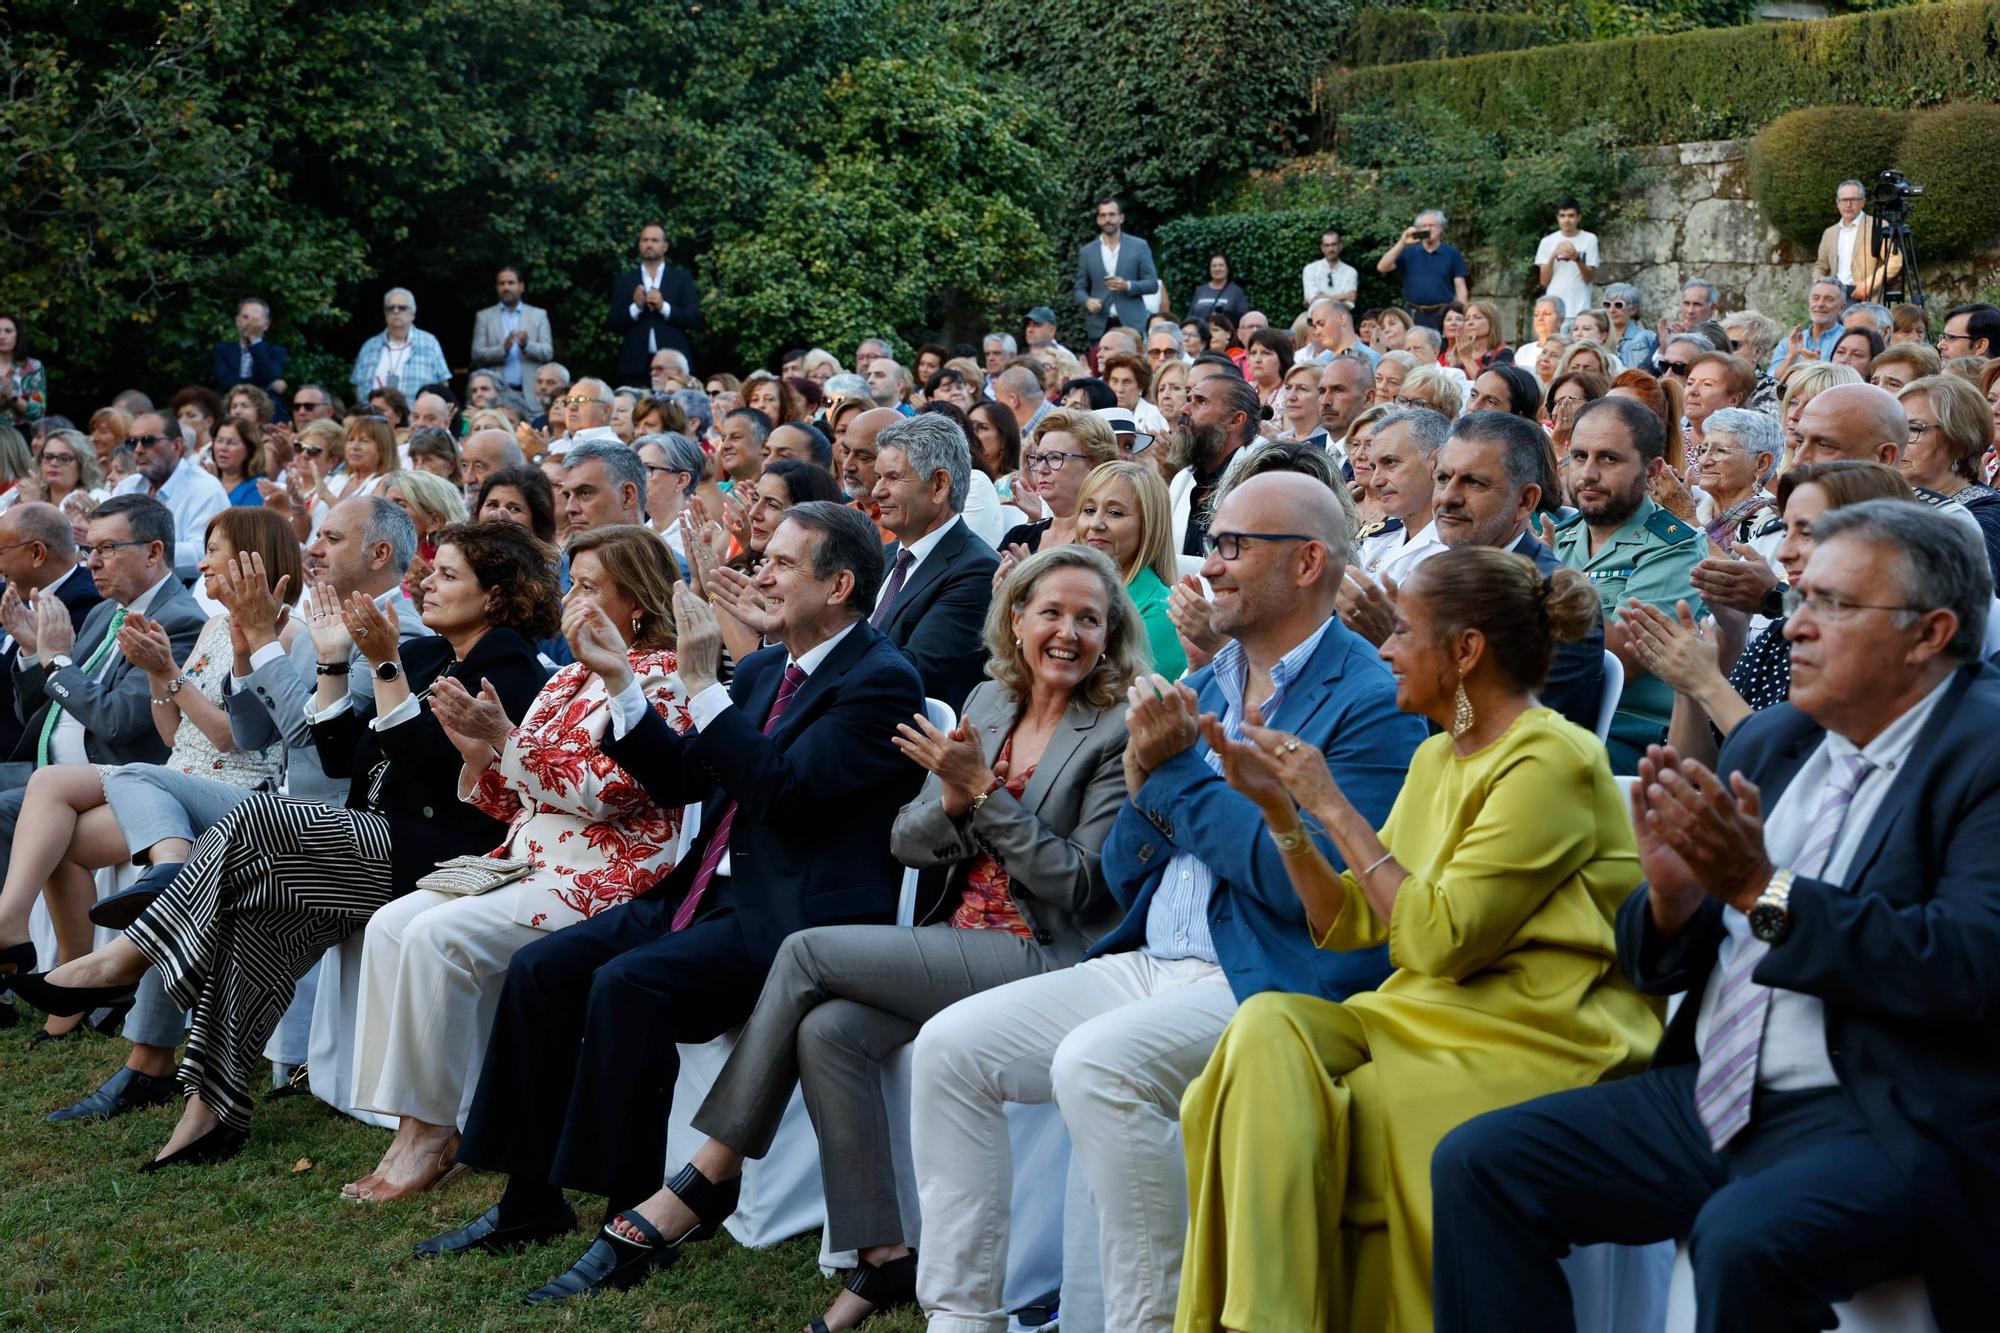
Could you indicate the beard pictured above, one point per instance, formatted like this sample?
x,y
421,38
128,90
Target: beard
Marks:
x,y
1617,509
1196,446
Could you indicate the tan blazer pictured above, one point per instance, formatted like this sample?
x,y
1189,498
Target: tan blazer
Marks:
x,y
1865,278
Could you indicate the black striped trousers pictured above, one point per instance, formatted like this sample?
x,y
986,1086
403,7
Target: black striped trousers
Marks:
x,y
265,892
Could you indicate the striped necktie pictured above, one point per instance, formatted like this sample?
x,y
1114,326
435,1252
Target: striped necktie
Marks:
x,y
1728,1074
96,659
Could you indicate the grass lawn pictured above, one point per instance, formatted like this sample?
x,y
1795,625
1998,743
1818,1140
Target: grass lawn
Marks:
x,y
265,1241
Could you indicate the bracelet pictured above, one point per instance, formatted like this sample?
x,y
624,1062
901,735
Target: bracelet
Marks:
x,y
1293,839
331,668
1377,864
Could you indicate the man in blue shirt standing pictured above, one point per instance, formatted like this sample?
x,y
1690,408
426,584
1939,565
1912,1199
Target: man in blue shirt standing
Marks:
x,y
1433,272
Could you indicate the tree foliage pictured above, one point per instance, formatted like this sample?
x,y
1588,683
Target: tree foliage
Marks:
x,y
823,168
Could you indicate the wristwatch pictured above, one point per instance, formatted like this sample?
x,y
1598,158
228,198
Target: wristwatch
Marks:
x,y
1774,602
389,670
1294,839
58,661
1770,915
174,685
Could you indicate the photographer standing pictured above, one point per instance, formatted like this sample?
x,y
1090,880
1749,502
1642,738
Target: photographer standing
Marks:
x,y
1433,272
1847,248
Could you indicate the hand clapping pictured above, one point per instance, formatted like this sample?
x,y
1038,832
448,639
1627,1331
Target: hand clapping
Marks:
x,y
144,643
477,726
1698,832
595,642
18,618
953,755
332,644
700,640
53,630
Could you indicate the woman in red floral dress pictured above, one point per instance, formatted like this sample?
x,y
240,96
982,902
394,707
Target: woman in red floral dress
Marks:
x,y
432,963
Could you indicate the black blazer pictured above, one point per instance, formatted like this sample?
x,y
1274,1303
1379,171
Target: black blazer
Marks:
x,y
1576,674
409,774
79,593
682,318
939,615
1906,960
816,798
267,364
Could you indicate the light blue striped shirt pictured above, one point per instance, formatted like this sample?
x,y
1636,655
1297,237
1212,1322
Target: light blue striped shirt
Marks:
x,y
1177,918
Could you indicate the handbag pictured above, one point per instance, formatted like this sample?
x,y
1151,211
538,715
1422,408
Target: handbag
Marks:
x,y
470,876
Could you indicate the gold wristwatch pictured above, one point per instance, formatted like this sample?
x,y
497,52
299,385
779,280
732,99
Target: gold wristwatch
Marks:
x,y
1294,839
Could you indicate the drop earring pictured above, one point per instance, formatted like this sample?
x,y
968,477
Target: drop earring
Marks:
x,y
1461,715
635,627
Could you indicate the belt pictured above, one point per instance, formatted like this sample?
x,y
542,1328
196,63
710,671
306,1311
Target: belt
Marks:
x,y
1430,309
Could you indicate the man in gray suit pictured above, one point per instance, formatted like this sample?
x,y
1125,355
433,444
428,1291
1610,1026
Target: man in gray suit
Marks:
x,y
1113,273
512,337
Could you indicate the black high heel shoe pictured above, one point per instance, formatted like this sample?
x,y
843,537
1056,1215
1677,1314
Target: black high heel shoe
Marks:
x,y
615,1263
16,959
218,1145
62,1001
887,1286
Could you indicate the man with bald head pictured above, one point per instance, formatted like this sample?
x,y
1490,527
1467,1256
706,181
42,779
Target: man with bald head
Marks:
x,y
486,452
1344,386
1211,920
37,556
857,459
1857,421
1019,391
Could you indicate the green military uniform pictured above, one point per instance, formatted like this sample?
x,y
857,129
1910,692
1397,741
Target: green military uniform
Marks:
x,y
1649,557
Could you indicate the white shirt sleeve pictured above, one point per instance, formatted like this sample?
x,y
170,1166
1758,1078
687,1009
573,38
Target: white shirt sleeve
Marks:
x,y
1589,249
332,710
398,715
710,704
627,710
666,307
1546,251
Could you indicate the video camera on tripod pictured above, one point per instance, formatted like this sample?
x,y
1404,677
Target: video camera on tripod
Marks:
x,y
1890,205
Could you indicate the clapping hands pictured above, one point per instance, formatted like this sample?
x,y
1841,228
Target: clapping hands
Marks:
x,y
953,755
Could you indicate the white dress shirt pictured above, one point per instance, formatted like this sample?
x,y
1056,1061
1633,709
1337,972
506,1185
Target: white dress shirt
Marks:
x,y
67,741
1793,1056
1323,279
650,280
919,550
1850,232
193,497
1402,562
1110,253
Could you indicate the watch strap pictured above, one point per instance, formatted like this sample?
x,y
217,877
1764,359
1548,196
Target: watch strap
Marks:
x,y
331,668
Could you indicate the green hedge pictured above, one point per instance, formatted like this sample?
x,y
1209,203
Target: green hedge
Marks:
x,y
1700,85
1396,36
1952,151
1800,159
1267,250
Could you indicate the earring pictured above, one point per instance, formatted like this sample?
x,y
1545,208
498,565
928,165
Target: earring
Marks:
x,y
635,627
1461,716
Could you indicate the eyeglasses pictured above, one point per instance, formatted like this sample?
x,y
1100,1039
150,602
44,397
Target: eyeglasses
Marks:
x,y
1832,606
1053,459
106,548
312,450
148,441
1680,368
396,309
1402,401
578,400
655,467
1944,338
1229,545
1922,427
48,457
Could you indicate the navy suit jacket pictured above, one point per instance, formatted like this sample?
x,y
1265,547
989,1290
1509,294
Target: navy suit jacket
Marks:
x,y
682,318
1906,959
267,363
1344,702
1575,685
815,799
939,616
79,593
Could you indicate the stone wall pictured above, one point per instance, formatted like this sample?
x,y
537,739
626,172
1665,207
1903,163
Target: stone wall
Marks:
x,y
1696,219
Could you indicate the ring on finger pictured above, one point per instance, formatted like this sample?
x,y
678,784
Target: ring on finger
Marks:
x,y
1289,746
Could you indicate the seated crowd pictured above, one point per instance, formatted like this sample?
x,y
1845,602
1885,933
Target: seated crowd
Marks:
x,y
1319,757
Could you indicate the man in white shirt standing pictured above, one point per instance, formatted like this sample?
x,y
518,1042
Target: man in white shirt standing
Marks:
x,y
167,472
1327,276
1847,248
1567,257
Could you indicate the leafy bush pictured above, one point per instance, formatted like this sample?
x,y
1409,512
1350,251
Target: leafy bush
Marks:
x,y
1268,249
1951,152
1800,159
1392,36
1698,85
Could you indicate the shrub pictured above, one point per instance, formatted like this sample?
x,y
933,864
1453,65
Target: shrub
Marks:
x,y
1700,85
1951,152
1393,36
1267,250
1799,159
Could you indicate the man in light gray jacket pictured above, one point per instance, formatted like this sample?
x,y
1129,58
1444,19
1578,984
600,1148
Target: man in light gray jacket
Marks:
x,y
512,337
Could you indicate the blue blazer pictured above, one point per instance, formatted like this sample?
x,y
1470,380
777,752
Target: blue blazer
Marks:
x,y
1906,959
815,799
267,363
1344,703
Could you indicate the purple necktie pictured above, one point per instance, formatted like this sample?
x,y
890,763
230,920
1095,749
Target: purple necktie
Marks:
x,y
1736,1033
718,846
894,589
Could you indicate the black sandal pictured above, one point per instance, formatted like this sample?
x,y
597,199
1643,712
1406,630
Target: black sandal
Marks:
x,y
884,1286
710,1202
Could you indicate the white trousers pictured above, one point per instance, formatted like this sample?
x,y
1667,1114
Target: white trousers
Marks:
x,y
1113,1042
431,968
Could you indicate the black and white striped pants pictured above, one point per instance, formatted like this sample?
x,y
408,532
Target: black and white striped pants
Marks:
x,y
266,891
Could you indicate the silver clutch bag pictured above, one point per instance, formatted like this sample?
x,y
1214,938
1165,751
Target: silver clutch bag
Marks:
x,y
470,876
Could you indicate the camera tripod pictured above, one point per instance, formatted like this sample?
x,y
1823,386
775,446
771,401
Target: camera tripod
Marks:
x,y
1892,237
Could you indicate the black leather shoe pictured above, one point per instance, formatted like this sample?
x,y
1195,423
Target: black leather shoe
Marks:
x,y
42,1036
16,958
612,1263
887,1286
218,1145
9,1015
126,1090
488,1234
62,1001
122,909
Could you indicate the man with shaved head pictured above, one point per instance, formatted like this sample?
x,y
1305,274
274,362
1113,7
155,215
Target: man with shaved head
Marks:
x,y
1116,1040
857,458
1020,392
1857,421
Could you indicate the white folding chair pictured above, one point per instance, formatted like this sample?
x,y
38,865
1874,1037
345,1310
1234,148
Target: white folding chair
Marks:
x,y
944,719
1614,686
1901,1306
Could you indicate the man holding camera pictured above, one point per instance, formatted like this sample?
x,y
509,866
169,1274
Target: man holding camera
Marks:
x,y
1433,272
1847,248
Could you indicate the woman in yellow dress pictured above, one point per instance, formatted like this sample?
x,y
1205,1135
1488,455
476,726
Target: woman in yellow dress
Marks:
x,y
1494,882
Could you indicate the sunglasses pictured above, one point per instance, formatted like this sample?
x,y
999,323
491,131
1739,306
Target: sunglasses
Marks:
x,y
1675,368
1615,305
311,450
395,309
148,441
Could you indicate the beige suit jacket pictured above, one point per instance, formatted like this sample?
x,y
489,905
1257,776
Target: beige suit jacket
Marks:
x,y
1866,280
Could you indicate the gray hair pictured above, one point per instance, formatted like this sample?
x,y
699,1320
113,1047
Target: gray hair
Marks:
x,y
621,464
1714,293
1240,395
933,443
700,411
1943,565
407,294
1428,430
387,522
1429,335
681,453
1006,341
1828,280
1437,213
1626,292
881,346
847,384
1021,382
1691,339
596,388
558,367
44,523
1172,331
1878,315
679,359
1856,184
819,356
1562,311
1754,432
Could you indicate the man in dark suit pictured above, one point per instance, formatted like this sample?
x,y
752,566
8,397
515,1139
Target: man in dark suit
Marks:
x,y
652,306
580,1069
1823,1113
940,574
37,553
1113,273
248,359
